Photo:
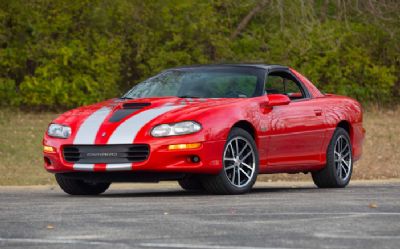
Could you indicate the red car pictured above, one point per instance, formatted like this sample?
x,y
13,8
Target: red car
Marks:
x,y
210,127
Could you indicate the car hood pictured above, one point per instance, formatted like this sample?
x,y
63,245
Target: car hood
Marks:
x,y
119,110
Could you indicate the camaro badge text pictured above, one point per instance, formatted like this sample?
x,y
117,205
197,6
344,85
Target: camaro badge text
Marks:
x,y
102,154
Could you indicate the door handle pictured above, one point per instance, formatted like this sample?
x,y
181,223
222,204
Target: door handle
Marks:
x,y
318,112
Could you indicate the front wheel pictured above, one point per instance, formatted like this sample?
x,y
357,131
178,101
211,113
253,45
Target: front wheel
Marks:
x,y
80,187
339,162
191,184
240,165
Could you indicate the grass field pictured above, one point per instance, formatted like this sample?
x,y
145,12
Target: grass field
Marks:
x,y
21,160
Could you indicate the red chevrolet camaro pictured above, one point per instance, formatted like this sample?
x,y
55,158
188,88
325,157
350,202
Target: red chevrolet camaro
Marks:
x,y
210,127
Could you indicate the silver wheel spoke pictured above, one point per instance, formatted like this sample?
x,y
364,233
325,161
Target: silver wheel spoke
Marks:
x,y
229,167
237,147
344,149
340,144
242,150
234,174
339,169
247,155
244,172
247,166
347,165
346,170
229,159
232,150
238,176
346,155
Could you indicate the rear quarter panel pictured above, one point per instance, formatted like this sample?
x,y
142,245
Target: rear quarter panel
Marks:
x,y
339,109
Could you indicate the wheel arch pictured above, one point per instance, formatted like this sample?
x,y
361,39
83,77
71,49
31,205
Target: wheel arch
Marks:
x,y
346,125
247,126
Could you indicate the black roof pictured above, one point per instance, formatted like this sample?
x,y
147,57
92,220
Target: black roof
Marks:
x,y
262,66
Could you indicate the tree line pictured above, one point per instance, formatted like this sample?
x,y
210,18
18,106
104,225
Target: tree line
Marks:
x,y
66,53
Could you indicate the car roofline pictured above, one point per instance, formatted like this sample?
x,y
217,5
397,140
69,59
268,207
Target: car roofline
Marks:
x,y
251,65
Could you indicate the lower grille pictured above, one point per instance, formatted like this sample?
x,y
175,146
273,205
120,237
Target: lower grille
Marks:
x,y
120,153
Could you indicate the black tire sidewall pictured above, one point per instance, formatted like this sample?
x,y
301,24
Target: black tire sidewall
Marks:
x,y
80,187
191,184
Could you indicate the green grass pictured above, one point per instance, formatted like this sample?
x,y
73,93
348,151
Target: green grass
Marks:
x,y
21,136
21,161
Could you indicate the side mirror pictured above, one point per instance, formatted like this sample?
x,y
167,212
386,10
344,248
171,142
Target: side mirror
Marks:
x,y
277,99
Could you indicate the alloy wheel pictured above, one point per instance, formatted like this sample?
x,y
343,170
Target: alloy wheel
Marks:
x,y
239,161
343,160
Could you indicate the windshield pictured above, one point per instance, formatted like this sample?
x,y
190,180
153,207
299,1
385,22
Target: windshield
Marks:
x,y
224,82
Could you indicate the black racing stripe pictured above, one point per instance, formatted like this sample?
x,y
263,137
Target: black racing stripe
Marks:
x,y
121,114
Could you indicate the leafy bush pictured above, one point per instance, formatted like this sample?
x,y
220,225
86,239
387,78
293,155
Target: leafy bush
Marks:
x,y
61,54
8,94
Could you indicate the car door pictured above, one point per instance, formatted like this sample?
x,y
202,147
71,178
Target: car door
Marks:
x,y
296,132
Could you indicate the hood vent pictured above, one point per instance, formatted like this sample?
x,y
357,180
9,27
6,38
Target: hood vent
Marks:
x,y
135,105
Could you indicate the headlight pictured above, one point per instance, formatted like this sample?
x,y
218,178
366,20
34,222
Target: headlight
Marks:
x,y
60,131
181,128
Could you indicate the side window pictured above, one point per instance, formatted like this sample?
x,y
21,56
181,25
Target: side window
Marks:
x,y
233,86
284,83
274,85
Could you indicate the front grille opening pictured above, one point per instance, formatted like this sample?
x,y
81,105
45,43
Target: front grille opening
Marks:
x,y
106,153
71,154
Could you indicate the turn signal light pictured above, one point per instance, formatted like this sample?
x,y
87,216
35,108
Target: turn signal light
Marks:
x,y
184,146
49,149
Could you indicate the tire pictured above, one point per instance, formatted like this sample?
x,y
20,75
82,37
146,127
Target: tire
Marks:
x,y
339,162
232,178
191,184
80,187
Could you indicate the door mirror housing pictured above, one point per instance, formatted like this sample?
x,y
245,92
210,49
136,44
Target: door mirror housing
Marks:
x,y
277,100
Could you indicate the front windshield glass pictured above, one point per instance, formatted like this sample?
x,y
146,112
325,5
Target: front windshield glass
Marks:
x,y
230,82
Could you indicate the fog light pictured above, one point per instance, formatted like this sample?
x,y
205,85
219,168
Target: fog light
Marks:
x,y
184,146
195,159
49,149
47,161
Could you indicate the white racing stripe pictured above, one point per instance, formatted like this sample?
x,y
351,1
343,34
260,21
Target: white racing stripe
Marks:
x,y
119,166
126,132
87,132
83,167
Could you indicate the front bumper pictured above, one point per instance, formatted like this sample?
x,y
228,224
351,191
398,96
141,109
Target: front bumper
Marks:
x,y
160,159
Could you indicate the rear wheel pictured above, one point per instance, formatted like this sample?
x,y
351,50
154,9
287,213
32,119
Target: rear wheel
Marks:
x,y
240,161
80,187
339,162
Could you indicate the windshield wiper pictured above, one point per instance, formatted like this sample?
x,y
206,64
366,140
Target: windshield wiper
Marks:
x,y
188,97
126,97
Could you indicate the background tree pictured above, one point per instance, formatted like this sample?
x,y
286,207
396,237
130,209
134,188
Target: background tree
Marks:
x,y
61,54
